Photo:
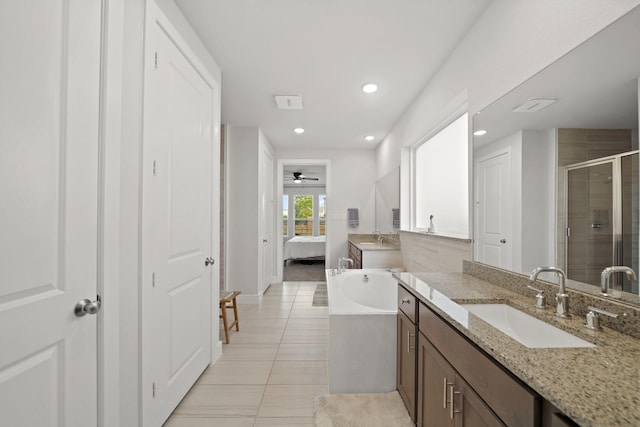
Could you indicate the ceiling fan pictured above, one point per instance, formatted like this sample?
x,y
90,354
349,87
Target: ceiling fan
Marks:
x,y
299,178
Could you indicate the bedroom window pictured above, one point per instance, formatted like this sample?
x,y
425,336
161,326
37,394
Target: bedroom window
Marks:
x,y
285,215
322,213
304,215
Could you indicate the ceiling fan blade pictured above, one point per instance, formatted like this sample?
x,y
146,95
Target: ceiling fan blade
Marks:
x,y
309,179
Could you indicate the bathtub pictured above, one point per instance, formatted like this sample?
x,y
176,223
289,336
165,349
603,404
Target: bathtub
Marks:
x,y
363,307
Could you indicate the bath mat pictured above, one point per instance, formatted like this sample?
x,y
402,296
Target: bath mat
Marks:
x,y
320,298
296,271
366,410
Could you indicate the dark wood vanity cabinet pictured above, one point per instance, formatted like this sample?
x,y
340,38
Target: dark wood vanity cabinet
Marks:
x,y
444,398
445,380
406,363
512,402
406,350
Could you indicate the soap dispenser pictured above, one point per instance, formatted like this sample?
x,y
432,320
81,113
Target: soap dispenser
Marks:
x,y
432,227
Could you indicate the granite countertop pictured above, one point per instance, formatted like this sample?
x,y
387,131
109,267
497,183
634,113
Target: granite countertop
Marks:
x,y
597,386
374,245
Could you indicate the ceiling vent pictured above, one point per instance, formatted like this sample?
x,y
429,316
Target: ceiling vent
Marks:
x,y
533,105
289,102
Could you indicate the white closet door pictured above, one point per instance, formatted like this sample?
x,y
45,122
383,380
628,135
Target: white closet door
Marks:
x,y
177,225
49,117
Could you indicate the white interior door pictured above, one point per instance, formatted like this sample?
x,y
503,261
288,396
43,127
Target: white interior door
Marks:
x,y
493,211
177,222
49,116
266,216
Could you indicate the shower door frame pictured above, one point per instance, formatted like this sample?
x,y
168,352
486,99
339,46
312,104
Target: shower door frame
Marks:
x,y
616,216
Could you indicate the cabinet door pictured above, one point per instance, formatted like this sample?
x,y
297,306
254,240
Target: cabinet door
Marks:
x,y
406,363
435,377
469,410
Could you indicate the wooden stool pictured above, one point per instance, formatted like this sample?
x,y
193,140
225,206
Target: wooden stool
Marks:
x,y
229,297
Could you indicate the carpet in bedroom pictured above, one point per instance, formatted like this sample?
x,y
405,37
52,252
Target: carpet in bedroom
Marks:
x,y
304,271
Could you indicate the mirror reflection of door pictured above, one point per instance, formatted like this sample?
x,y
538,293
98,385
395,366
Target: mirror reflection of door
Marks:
x,y
493,210
602,219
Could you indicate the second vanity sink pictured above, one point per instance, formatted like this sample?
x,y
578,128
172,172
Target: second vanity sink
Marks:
x,y
528,330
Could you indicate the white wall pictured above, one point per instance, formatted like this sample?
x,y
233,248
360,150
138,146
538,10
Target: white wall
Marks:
x,y
352,179
242,234
538,201
511,41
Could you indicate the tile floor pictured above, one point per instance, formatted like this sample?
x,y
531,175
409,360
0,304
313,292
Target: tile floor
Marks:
x,y
270,372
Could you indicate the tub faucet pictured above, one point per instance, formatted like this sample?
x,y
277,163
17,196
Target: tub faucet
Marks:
x,y
562,298
606,274
341,261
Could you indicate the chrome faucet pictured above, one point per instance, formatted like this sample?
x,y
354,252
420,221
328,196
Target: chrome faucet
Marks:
x,y
340,261
606,274
562,298
379,234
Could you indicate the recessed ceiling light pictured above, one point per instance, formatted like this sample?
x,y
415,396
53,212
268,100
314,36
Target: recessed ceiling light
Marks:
x,y
369,137
298,130
369,88
480,132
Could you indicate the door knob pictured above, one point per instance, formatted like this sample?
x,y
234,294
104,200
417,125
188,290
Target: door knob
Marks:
x,y
85,306
209,261
503,240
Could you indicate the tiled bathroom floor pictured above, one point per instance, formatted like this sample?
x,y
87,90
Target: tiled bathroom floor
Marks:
x,y
270,372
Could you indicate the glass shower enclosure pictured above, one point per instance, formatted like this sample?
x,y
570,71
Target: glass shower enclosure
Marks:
x,y
602,219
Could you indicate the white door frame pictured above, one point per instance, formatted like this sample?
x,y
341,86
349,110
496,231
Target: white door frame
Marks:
x,y
278,217
110,134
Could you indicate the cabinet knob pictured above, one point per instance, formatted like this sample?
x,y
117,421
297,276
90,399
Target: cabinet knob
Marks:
x,y
405,301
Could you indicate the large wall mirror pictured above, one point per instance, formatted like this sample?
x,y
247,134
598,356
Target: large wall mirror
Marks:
x,y
388,202
556,173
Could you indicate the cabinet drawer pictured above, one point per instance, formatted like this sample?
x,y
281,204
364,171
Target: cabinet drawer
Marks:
x,y
407,303
510,399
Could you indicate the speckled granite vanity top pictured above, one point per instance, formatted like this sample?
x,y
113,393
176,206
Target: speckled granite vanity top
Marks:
x,y
369,242
375,246
597,386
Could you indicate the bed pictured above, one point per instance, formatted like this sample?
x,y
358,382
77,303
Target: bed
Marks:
x,y
305,247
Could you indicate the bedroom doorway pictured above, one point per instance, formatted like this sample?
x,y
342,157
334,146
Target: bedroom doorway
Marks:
x,y
302,220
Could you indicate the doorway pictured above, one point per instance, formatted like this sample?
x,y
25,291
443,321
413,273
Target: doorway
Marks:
x,y
601,200
302,220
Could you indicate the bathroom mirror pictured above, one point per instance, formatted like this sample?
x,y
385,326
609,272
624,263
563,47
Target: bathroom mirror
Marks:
x,y
388,202
556,173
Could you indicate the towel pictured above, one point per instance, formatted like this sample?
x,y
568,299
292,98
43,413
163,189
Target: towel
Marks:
x,y
396,217
352,215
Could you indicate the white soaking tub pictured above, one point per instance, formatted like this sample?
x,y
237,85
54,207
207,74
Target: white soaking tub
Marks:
x,y
362,331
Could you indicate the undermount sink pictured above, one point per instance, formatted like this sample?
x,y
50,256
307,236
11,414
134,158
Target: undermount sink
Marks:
x,y
528,330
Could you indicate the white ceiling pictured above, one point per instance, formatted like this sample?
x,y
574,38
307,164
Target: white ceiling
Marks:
x,y
325,51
